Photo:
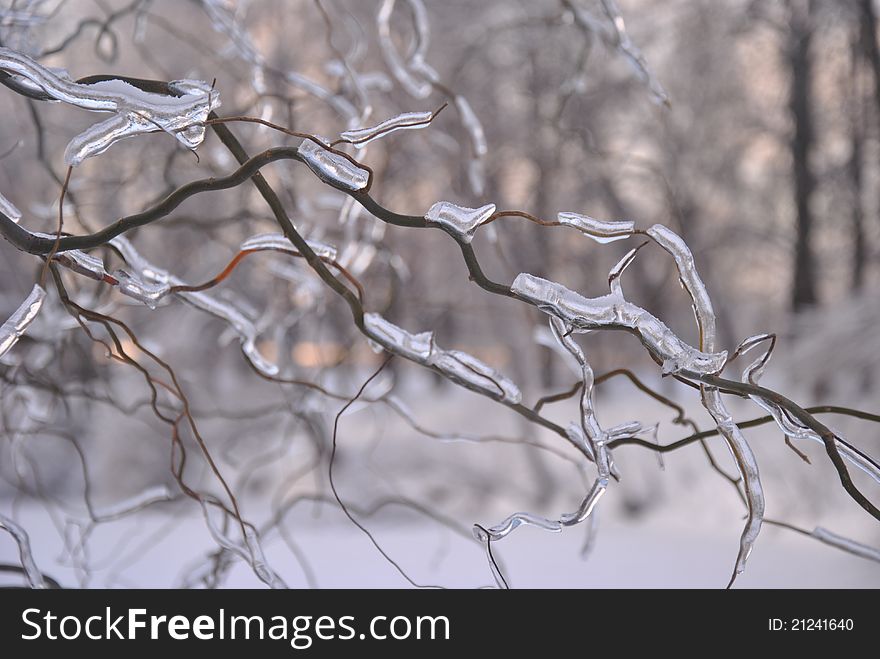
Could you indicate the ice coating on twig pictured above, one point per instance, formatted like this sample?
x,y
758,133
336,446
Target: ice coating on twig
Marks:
x,y
360,137
414,75
614,311
9,209
278,241
632,53
460,367
135,111
616,37
470,372
16,325
459,221
416,347
791,427
333,168
472,125
748,467
139,501
224,21
82,263
251,553
711,398
31,571
243,326
851,546
516,520
594,435
587,506
687,272
602,231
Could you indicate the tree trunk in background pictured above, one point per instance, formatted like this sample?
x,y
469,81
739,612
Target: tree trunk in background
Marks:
x,y
854,169
804,282
868,23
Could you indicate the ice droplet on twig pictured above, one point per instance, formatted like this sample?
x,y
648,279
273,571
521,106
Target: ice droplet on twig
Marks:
x,y
602,231
360,137
460,221
333,168
16,325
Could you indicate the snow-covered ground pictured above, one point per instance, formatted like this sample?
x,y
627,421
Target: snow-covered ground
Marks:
x,y
675,526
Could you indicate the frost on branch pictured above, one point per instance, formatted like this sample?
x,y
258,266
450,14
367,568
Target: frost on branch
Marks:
x,y
134,110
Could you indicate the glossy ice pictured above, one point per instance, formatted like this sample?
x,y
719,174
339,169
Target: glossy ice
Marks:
x,y
458,220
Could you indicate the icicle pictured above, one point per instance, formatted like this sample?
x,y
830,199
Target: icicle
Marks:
x,y
360,137
9,209
16,325
602,231
31,571
333,168
851,546
136,111
459,221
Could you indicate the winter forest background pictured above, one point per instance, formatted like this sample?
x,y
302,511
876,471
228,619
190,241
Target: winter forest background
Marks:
x,y
187,406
